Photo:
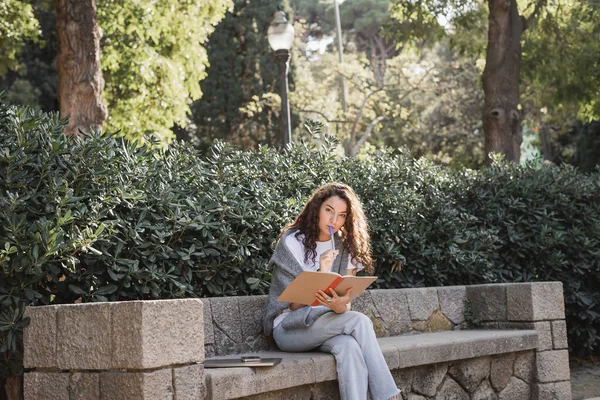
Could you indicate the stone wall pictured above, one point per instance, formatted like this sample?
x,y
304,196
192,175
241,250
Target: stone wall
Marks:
x,y
151,349
504,377
538,306
112,351
234,323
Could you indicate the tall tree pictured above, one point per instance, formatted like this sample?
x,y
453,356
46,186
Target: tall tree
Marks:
x,y
80,82
502,122
240,99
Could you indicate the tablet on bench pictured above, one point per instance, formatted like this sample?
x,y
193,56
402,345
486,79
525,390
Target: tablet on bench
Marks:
x,y
243,361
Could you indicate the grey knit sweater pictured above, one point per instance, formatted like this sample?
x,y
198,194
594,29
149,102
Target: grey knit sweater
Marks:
x,y
285,269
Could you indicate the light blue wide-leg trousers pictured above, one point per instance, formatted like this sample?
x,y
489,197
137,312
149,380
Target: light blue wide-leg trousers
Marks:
x,y
350,338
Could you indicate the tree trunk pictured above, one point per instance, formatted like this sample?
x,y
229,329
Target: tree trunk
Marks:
x,y
501,117
80,82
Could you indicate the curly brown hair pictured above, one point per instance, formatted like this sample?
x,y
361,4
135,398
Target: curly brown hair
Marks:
x,y
355,230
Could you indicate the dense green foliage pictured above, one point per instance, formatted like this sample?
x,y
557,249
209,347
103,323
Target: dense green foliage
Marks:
x,y
153,57
101,219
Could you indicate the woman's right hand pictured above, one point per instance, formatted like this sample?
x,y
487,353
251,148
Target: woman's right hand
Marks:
x,y
326,260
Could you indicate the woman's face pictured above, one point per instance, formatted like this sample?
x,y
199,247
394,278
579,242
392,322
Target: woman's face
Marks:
x,y
334,211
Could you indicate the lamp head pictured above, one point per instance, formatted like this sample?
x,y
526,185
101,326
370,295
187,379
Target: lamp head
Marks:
x,y
280,33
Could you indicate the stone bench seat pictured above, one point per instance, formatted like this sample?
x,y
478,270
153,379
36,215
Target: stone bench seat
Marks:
x,y
400,352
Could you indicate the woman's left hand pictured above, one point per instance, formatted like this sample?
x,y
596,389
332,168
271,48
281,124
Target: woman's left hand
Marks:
x,y
339,304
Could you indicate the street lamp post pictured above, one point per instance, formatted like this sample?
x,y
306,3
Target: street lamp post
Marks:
x,y
281,37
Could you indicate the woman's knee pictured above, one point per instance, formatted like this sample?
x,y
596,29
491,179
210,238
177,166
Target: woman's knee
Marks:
x,y
361,318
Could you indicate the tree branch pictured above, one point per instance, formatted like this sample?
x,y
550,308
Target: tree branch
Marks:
x,y
364,137
536,11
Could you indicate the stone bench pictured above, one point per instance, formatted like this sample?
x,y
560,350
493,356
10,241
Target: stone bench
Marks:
x,y
152,349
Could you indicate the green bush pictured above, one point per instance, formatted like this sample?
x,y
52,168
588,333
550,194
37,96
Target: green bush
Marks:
x,y
96,218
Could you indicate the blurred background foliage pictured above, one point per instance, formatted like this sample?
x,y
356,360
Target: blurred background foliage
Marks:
x,y
203,72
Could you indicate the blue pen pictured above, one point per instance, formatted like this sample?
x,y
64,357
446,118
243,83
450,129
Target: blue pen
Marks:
x,y
332,240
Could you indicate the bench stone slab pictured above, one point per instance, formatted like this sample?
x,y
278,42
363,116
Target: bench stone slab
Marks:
x,y
401,352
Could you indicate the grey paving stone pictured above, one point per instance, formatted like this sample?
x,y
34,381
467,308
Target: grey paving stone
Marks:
x,y
501,370
552,366
392,306
485,392
554,391
209,333
227,325
427,379
543,329
524,366
535,301
188,382
157,333
450,390
469,373
422,302
155,385
515,390
84,386
39,337
488,302
559,335
452,302
83,340
46,386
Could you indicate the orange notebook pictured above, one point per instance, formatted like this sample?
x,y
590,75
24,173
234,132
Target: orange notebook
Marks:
x,y
302,290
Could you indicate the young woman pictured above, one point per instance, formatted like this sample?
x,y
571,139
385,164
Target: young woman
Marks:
x,y
331,326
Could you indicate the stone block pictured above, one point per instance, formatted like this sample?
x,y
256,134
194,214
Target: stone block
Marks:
x,y
294,370
422,302
155,385
485,392
325,390
515,390
535,301
452,302
543,329
391,355
488,302
83,339
304,392
156,333
437,322
227,325
523,366
209,333
501,370
404,378
413,396
428,378
46,386
392,307
39,337
553,391
188,382
559,334
364,304
451,390
552,366
439,347
84,386
251,311
470,373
